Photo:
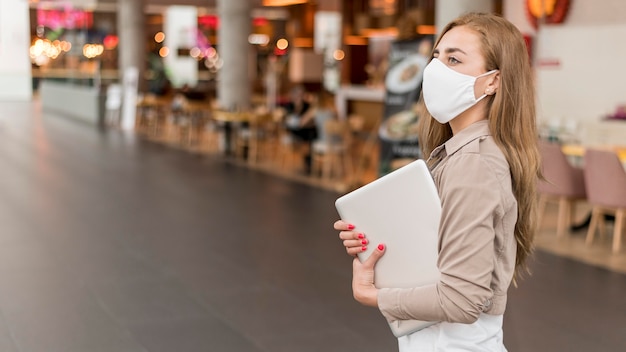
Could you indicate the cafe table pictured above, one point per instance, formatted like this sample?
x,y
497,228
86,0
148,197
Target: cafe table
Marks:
x,y
576,152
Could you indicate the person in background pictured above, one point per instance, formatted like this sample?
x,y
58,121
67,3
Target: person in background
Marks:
x,y
303,130
478,127
322,111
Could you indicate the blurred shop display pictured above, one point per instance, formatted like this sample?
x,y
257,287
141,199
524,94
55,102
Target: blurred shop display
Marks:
x,y
398,130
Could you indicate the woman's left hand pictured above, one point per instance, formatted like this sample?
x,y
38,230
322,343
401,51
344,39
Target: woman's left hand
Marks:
x,y
363,288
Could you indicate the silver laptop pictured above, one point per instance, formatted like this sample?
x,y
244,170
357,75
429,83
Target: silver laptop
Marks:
x,y
402,210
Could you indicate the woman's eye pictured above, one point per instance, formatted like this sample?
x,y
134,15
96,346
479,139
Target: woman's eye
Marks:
x,y
453,60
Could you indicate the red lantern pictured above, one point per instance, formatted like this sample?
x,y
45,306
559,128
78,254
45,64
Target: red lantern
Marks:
x,y
550,11
110,41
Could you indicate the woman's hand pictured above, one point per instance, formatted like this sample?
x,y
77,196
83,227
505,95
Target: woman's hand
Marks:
x,y
363,288
354,241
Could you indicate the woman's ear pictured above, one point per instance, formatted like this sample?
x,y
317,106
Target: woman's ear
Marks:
x,y
493,84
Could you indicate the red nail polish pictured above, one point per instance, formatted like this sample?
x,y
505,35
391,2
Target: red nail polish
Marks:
x,y
364,248
361,235
364,242
350,227
381,247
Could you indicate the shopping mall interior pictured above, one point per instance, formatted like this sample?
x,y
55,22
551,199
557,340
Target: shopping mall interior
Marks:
x,y
155,198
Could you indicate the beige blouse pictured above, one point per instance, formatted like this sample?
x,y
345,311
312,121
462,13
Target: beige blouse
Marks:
x,y
477,246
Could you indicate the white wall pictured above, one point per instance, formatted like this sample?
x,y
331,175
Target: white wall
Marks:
x,y
578,63
15,70
580,74
447,10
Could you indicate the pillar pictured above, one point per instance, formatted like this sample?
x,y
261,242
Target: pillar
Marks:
x,y
132,43
234,84
132,56
15,68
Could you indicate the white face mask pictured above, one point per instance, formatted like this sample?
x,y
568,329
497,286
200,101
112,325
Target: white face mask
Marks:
x,y
447,93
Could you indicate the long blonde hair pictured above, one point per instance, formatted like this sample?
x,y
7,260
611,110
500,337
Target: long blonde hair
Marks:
x,y
511,114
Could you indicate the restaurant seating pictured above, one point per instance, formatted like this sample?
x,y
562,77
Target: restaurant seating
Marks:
x,y
209,136
288,151
191,120
152,113
331,155
562,183
364,150
605,180
253,136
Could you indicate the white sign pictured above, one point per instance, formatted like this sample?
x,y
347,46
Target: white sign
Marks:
x,y
327,31
129,106
15,70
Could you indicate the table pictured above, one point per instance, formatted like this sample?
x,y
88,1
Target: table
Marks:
x,y
356,92
576,152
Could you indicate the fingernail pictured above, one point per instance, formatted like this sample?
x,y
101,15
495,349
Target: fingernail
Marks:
x,y
381,247
364,248
361,235
350,227
364,242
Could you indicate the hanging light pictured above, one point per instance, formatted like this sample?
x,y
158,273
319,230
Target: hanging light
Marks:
x,y
283,2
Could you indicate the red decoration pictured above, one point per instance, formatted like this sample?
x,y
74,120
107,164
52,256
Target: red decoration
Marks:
x,y
68,18
552,11
110,41
209,21
260,21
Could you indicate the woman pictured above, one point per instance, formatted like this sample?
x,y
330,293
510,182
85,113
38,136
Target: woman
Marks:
x,y
304,131
478,126
317,116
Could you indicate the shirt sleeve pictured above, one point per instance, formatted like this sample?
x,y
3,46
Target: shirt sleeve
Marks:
x,y
471,199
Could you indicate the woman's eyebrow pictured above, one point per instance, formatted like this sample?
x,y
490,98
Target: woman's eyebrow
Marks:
x,y
450,51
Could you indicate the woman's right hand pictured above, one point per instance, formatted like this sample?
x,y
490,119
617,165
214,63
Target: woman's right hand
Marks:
x,y
354,241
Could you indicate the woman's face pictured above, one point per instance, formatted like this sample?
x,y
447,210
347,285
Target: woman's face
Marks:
x,y
460,49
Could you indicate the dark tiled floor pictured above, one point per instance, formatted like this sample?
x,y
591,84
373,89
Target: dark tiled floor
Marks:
x,y
111,243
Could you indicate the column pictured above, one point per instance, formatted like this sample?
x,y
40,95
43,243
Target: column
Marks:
x,y
132,54
130,27
234,85
447,10
15,68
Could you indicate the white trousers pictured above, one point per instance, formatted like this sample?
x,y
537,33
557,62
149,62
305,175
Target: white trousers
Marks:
x,y
484,335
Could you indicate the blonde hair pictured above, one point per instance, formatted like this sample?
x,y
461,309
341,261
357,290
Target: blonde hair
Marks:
x,y
511,115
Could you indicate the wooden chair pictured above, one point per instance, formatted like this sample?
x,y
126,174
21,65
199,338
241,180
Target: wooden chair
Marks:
x,y
288,151
365,151
253,137
605,179
191,123
151,115
209,135
331,156
563,183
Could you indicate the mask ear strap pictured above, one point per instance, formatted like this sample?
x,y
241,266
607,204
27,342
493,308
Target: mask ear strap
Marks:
x,y
488,91
487,73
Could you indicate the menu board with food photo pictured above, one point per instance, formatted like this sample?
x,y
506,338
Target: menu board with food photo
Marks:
x,y
398,130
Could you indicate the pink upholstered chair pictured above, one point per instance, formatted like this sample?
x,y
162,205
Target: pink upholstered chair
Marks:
x,y
605,180
563,183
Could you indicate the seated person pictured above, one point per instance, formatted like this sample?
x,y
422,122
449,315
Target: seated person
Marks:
x,y
302,129
323,111
295,110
